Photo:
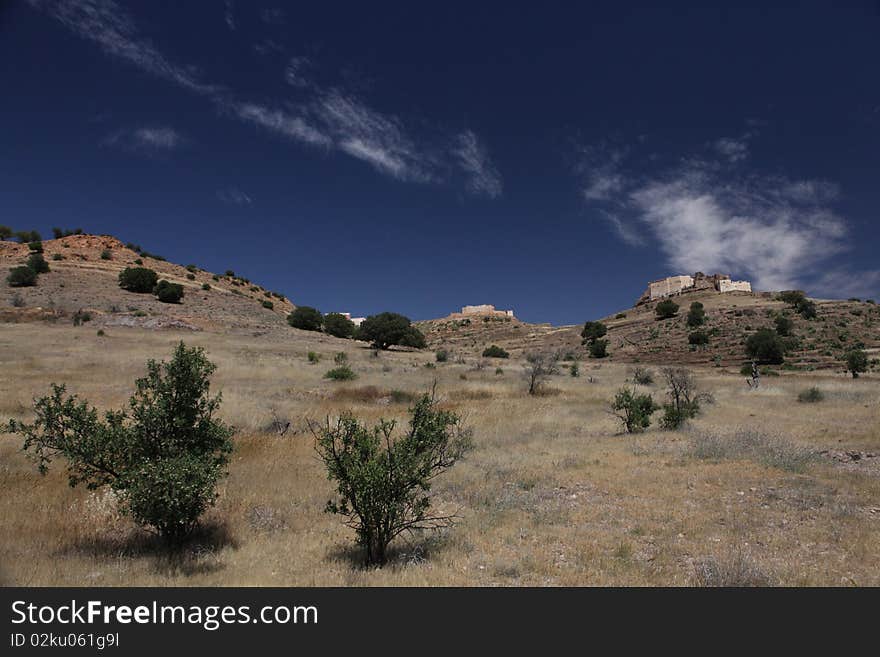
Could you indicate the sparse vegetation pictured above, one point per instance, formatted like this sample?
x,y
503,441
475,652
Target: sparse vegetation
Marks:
x,y
341,373
495,351
683,401
163,457
383,482
539,367
666,309
633,410
167,292
138,279
810,395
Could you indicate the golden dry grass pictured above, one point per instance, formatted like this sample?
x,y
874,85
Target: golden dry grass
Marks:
x,y
553,494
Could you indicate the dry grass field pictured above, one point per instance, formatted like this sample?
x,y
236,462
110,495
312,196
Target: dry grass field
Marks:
x,y
552,494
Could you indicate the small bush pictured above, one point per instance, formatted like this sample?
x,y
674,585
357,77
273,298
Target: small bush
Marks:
x,y
192,269
696,315
169,292
190,277
206,287
138,279
230,273
495,351
341,373
698,338
574,370
499,371
17,301
784,325
36,246
268,304
340,358
106,254
101,333
38,263
306,318
683,400
633,410
811,395
383,481
620,316
856,362
599,349
441,356
314,357
643,376
592,331
57,257
22,277
666,309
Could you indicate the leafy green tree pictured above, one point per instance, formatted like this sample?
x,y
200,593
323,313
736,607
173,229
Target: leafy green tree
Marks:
x,y
138,279
599,349
38,263
495,351
22,276
35,246
683,399
792,297
766,347
633,410
306,318
856,362
168,292
387,329
666,309
383,481
696,315
698,338
5,232
784,325
807,309
592,331
163,456
338,325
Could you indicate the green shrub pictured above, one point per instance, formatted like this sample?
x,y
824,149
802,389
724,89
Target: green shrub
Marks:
x,y
36,247
306,318
791,297
683,400
57,256
313,357
138,279
811,395
192,269
167,292
666,309
106,254
101,333
268,304
766,347
383,481
22,277
190,277
230,273
163,456
575,370
206,287
338,325
856,362
340,358
698,338
38,263
341,373
784,325
5,232
643,376
215,278
620,316
599,349
592,331
696,315
633,410
495,351
441,356
499,371
387,329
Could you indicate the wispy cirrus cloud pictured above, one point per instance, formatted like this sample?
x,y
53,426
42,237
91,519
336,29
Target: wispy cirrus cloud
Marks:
x,y
705,213
328,118
483,177
234,196
149,139
103,22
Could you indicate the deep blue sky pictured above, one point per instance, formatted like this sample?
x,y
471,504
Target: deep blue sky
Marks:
x,y
419,157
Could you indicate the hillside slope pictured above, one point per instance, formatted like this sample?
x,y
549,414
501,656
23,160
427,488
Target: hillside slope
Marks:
x,y
636,335
82,280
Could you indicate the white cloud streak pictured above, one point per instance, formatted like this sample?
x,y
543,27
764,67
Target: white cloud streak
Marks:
x,y
706,215
149,139
483,177
234,196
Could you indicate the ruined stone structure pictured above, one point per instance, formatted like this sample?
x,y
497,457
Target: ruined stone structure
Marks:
x,y
485,309
674,285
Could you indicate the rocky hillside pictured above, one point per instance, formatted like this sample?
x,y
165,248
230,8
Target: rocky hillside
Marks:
x,y
83,278
636,335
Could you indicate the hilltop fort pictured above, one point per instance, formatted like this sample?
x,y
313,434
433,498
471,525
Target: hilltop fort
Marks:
x,y
675,285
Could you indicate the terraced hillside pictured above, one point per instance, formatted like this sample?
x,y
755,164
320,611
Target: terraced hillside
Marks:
x,y
636,335
83,277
